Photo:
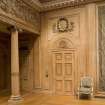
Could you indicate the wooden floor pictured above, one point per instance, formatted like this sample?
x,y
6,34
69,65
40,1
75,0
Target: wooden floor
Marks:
x,y
41,99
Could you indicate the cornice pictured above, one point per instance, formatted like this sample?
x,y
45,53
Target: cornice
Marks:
x,y
66,3
35,4
51,5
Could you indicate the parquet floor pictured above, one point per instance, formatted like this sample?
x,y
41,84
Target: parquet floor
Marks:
x,y
41,99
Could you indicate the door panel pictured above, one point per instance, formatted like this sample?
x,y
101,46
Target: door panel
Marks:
x,y
59,86
58,69
68,69
68,86
68,72
63,72
58,73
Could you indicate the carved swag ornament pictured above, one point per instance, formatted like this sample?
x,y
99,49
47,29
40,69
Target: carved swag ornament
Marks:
x,y
20,9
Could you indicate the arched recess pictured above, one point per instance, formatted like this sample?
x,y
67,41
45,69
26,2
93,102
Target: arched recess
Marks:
x,y
62,43
62,64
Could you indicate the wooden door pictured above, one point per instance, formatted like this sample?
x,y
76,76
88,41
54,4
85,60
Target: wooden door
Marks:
x,y
63,70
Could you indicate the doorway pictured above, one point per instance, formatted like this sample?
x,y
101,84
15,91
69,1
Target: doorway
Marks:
x,y
63,72
26,61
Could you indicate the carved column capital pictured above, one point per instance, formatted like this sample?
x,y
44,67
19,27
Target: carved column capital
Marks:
x,y
14,29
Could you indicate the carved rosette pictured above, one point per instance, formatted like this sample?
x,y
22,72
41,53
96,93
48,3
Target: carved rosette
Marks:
x,y
63,44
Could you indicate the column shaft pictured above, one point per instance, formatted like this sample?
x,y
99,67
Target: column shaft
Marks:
x,y
15,64
15,81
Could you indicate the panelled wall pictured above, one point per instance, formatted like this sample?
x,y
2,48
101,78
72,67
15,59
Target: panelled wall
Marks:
x,y
26,61
67,48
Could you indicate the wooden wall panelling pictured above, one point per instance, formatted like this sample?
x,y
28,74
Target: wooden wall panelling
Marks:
x,y
50,38
91,42
44,54
37,73
31,64
81,55
24,68
83,39
26,63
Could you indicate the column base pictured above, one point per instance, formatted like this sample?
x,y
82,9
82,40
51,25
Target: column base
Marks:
x,y
15,100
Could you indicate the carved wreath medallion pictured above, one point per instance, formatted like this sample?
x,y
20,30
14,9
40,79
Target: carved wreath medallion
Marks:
x,y
63,25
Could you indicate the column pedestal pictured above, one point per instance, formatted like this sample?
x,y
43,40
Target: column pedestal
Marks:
x,y
15,100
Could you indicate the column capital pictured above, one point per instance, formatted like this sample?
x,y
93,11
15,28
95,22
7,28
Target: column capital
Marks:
x,y
14,28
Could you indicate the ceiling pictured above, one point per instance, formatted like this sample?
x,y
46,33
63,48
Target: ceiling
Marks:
x,y
43,1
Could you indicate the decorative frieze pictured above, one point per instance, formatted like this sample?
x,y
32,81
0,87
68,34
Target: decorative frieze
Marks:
x,y
21,10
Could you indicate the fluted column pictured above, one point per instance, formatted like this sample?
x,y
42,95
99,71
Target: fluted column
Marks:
x,y
15,83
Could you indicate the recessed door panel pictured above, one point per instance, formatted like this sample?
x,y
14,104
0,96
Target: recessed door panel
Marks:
x,y
58,71
68,69
68,86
